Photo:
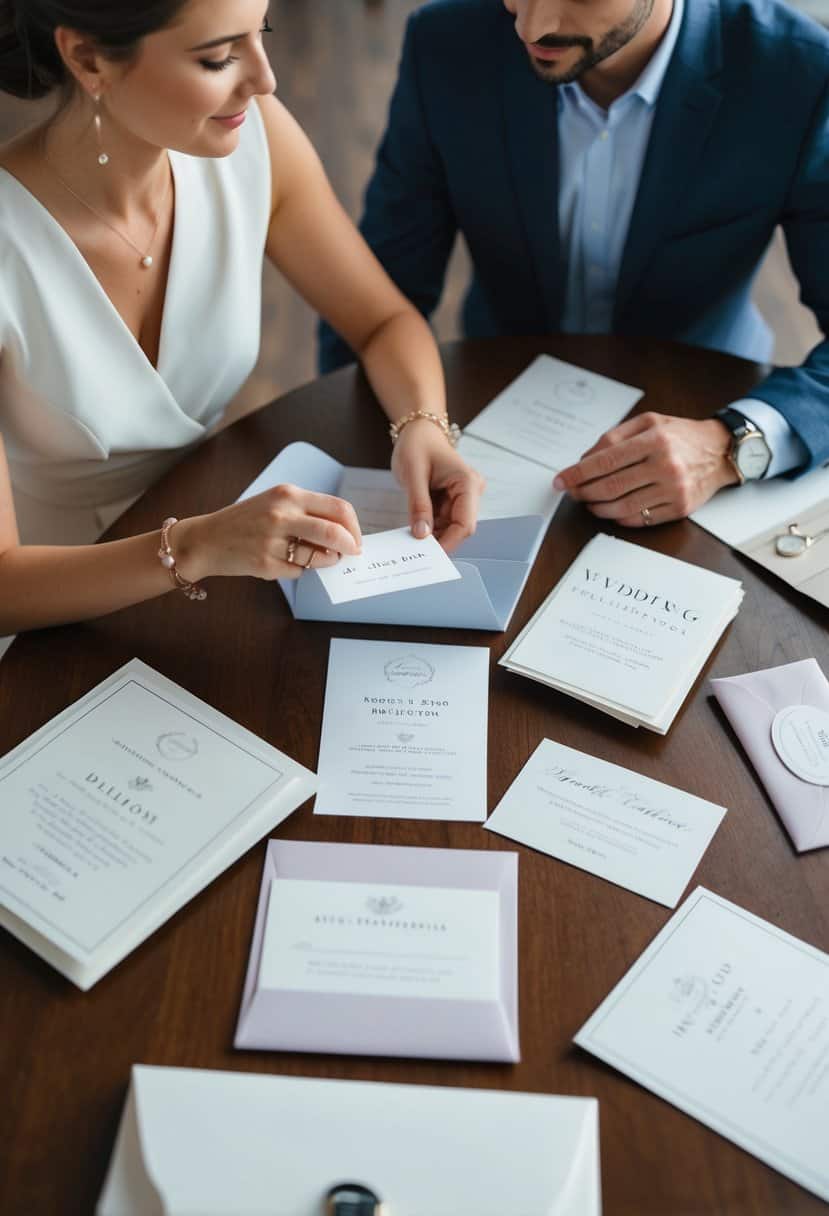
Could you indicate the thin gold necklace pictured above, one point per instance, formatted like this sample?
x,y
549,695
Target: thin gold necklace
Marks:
x,y
144,254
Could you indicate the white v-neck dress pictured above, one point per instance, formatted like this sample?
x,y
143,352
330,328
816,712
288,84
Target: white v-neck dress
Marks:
x,y
87,421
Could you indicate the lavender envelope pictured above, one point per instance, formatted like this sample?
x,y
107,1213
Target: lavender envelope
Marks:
x,y
282,1020
750,702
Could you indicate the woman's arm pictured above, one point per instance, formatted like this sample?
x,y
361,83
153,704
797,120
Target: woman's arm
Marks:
x,y
315,245
49,585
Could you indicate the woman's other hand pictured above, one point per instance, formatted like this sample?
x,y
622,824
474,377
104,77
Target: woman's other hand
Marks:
x,y
443,490
276,534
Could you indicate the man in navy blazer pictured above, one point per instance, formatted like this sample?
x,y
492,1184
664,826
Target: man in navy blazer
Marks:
x,y
637,195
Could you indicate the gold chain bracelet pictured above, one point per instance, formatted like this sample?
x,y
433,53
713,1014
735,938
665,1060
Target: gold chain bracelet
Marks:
x,y
450,429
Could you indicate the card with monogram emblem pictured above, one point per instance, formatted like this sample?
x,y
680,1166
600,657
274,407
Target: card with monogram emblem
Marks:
x,y
121,809
404,731
379,950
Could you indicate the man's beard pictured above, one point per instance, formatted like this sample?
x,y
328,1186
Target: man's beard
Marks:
x,y
612,42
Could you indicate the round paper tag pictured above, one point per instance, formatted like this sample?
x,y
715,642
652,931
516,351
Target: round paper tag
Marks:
x,y
800,734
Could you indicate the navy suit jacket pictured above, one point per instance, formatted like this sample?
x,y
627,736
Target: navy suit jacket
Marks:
x,y
739,144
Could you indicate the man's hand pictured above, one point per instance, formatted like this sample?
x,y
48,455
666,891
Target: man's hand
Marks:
x,y
651,469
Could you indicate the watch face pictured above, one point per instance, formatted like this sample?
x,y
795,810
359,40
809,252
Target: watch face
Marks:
x,y
753,457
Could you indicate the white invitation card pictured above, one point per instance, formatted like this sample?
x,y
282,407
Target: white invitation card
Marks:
x,y
366,939
120,809
727,1017
553,412
390,561
629,829
404,731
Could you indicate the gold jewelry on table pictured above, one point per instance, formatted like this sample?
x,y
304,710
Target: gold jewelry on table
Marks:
x,y
450,429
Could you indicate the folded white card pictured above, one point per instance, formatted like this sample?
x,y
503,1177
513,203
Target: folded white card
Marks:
x,y
627,828
194,1143
390,561
404,731
727,1017
553,412
626,630
121,809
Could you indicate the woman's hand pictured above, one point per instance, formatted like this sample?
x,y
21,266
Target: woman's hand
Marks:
x,y
443,489
276,534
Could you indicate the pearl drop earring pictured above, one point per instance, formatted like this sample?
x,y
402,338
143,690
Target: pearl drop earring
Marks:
x,y
103,159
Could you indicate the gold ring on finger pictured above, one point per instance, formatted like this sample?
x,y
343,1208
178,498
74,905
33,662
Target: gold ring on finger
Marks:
x,y
290,556
646,516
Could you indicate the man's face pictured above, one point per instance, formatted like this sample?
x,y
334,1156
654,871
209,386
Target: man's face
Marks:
x,y
565,38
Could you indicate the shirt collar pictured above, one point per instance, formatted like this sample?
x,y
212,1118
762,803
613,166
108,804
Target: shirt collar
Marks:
x,y
650,82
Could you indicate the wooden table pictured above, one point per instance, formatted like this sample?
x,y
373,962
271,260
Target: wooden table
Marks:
x,y
65,1055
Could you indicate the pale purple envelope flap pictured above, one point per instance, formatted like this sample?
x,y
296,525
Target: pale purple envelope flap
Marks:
x,y
751,702
389,1026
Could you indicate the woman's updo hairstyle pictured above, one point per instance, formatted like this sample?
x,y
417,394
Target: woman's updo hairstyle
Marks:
x,y
30,64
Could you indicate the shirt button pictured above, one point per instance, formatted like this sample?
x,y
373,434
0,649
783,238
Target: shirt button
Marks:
x,y
595,227
605,134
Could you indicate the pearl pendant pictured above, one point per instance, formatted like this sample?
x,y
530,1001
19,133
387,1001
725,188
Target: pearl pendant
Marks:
x,y
147,262
103,159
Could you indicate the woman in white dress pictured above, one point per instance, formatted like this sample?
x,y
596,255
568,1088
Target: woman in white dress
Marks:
x,y
133,225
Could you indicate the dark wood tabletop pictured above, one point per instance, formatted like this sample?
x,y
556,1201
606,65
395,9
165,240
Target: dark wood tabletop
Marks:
x,y
65,1055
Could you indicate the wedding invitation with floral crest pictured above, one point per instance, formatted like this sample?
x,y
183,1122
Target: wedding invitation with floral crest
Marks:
x,y
404,731
726,1016
121,809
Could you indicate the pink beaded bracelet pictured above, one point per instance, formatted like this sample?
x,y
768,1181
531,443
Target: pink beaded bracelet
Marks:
x,y
192,590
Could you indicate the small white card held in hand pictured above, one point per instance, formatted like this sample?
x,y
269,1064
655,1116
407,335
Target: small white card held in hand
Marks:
x,y
725,1016
390,561
624,827
364,939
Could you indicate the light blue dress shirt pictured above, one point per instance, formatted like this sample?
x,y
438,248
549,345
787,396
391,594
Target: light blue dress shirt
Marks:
x,y
601,154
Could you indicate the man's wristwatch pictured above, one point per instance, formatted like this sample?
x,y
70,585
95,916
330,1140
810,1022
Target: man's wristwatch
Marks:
x,y
749,453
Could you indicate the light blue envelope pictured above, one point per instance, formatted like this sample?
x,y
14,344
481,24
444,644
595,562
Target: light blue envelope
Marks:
x,y
494,564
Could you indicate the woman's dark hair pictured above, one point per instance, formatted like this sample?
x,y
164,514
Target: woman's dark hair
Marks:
x,y
30,64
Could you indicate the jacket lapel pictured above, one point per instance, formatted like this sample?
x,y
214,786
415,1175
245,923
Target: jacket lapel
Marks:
x,y
685,113
531,135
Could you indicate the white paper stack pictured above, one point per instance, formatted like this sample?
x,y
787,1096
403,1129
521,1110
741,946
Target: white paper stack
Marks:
x,y
627,631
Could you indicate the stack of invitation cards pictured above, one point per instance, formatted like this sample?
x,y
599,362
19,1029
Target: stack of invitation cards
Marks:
x,y
627,828
385,951
404,731
237,1144
121,809
627,631
727,1017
